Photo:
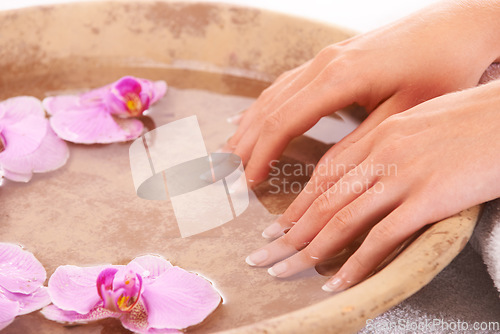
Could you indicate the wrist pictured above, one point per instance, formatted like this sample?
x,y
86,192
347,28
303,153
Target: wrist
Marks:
x,y
481,19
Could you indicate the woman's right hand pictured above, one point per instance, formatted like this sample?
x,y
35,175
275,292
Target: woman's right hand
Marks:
x,y
441,49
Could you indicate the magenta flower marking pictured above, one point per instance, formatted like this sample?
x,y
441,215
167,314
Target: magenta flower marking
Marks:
x,y
148,295
104,115
27,143
21,280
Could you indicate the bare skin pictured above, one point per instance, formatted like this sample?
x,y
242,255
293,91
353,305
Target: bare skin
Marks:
x,y
443,153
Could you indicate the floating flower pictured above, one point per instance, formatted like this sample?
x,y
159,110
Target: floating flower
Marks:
x,y
27,143
21,280
104,115
148,295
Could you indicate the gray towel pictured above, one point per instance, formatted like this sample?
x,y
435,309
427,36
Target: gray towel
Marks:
x,y
462,296
486,239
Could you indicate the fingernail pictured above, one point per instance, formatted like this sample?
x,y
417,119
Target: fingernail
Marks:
x,y
257,257
235,119
223,150
278,269
273,231
333,285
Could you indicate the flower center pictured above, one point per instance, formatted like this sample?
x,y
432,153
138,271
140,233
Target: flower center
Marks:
x,y
134,104
2,144
119,291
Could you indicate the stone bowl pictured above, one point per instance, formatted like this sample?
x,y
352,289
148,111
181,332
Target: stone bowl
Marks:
x,y
216,59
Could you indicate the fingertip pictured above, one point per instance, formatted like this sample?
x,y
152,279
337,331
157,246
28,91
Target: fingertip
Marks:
x,y
335,284
250,262
271,272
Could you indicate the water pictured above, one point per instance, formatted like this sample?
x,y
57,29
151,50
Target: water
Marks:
x,y
87,212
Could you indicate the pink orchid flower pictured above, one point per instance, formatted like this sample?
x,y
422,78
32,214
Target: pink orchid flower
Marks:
x,y
148,295
104,115
21,280
27,143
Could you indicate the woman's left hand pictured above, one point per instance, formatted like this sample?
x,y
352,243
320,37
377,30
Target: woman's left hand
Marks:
x,y
414,169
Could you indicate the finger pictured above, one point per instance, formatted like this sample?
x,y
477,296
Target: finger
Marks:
x,y
325,175
328,92
346,225
326,206
382,240
266,98
273,97
284,246
393,105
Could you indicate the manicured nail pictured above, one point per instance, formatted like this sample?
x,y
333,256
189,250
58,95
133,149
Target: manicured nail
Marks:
x,y
333,285
278,269
273,231
235,119
223,150
257,257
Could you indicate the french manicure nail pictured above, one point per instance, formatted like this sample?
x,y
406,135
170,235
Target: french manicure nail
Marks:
x,y
278,269
257,257
333,285
235,119
273,231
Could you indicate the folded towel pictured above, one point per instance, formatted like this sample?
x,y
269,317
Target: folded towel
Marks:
x,y
486,239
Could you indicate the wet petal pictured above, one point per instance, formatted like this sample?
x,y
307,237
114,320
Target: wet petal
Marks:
x,y
54,313
20,271
150,266
29,302
93,125
8,311
179,299
50,155
74,288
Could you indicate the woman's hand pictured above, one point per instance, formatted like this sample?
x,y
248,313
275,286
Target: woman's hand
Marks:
x,y
441,49
415,168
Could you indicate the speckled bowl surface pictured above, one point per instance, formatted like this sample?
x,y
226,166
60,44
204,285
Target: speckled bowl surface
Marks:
x,y
216,60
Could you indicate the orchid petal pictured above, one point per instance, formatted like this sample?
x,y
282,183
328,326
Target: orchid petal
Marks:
x,y
132,127
125,85
50,155
54,313
93,125
56,104
17,177
23,137
137,322
29,302
150,266
159,90
8,311
179,299
20,271
22,125
16,109
73,288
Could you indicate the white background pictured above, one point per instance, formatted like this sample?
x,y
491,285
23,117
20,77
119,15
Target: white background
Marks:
x,y
359,15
